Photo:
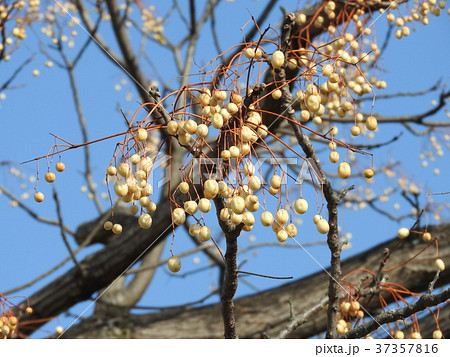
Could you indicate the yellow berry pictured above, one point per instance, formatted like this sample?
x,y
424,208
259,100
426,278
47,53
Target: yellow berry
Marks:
x,y
108,225
282,216
276,94
204,234
172,127
202,130
275,182
440,265
327,70
145,221
60,167
204,205
178,216
266,219
124,169
282,236
50,177
194,230
334,157
368,173
141,134
120,188
355,130
437,334
426,237
277,59
133,209
344,170
238,205
371,123
210,188
190,207
322,226
38,196
184,187
248,219
300,206
111,170
291,230
403,233
174,264
117,228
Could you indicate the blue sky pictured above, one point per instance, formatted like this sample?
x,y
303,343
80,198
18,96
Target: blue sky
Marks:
x,y
43,104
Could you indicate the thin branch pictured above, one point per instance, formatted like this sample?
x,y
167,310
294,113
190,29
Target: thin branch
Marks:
x,y
15,73
303,318
32,213
426,300
434,87
63,233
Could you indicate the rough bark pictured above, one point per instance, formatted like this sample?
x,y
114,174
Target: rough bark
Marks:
x,y
269,312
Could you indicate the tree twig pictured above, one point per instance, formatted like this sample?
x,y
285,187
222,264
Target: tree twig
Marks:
x,y
426,300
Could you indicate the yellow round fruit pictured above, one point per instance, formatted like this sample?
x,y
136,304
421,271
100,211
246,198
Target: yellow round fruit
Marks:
x,y
248,219
210,188
190,126
282,236
60,167
440,265
371,123
266,219
282,216
277,59
133,209
291,230
300,206
190,207
117,228
184,187
426,237
204,234
275,182
120,188
202,131
355,130
322,226
368,173
174,264
334,157
238,205
108,225
123,169
38,197
145,221
276,94
178,216
403,233
141,134
172,127
111,171
194,230
344,170
254,183
50,177
204,205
